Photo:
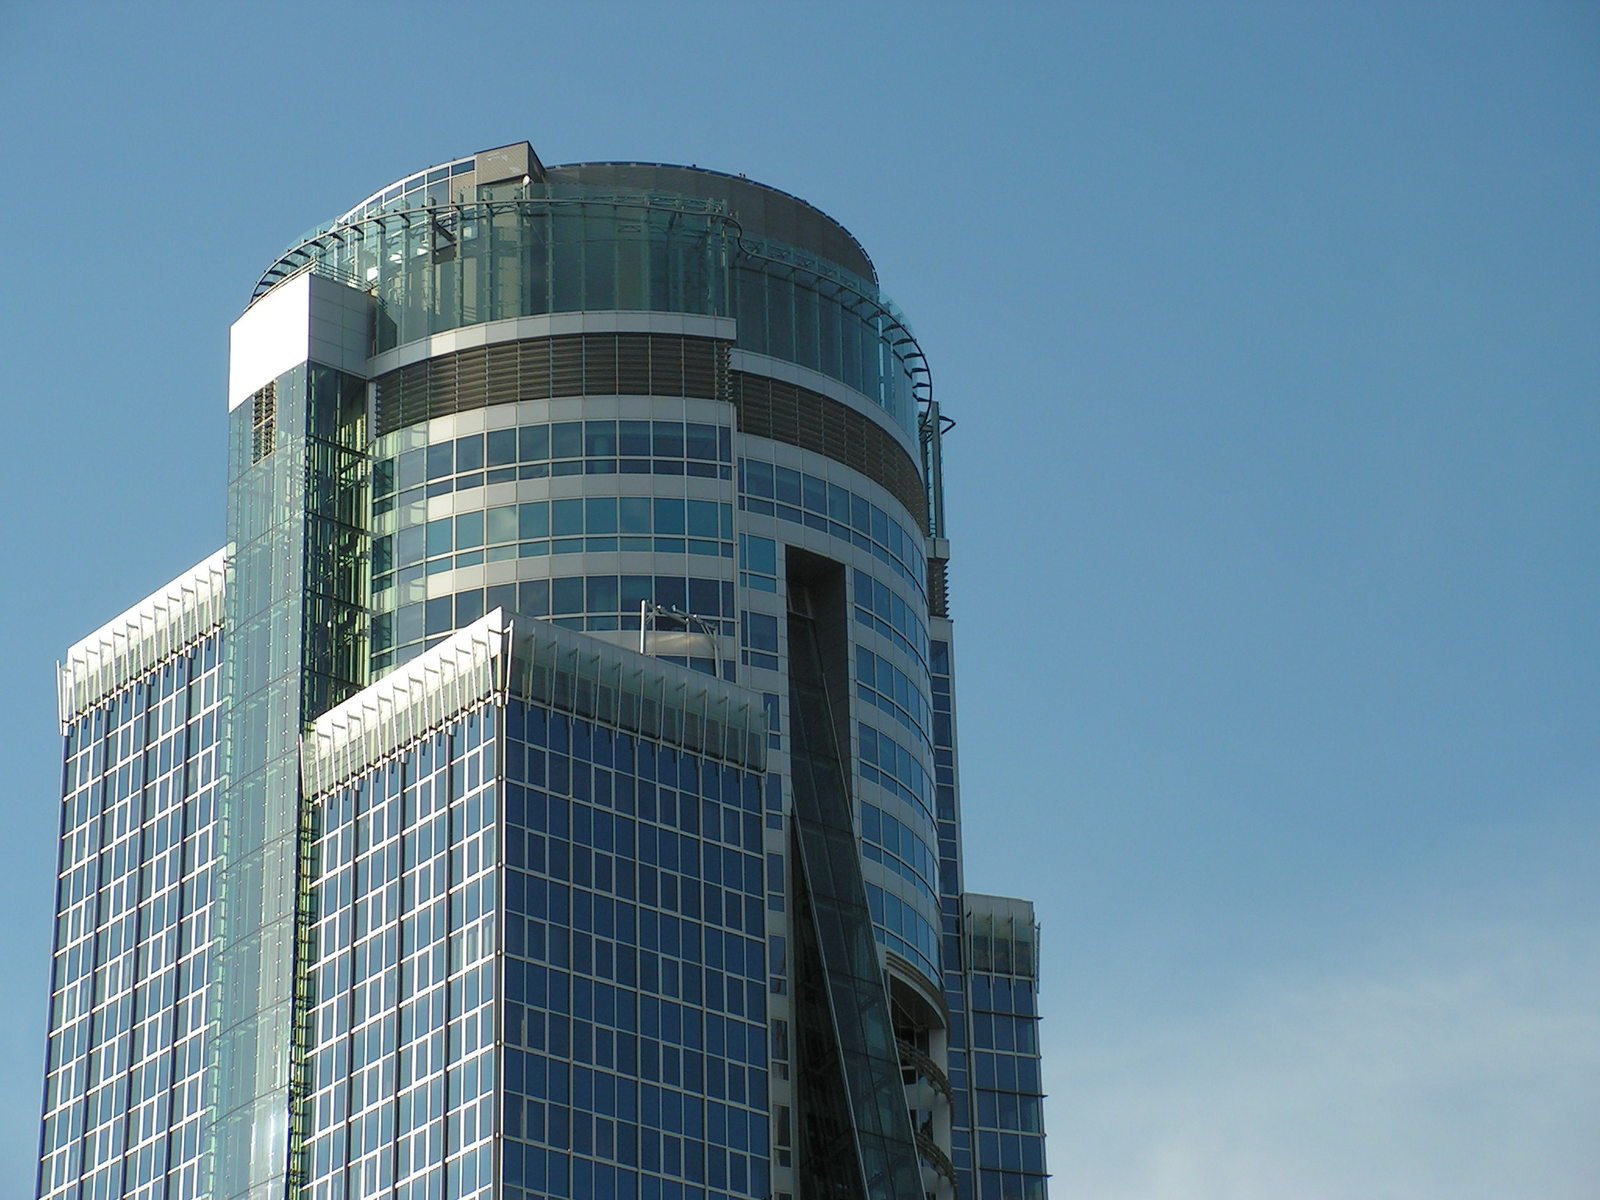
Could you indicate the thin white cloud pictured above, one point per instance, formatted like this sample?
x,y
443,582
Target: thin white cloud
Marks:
x,y
1458,1064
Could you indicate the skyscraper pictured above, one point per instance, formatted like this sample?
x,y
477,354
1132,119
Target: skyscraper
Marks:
x,y
551,789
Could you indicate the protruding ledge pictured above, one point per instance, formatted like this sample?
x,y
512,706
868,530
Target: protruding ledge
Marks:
x,y
499,657
127,646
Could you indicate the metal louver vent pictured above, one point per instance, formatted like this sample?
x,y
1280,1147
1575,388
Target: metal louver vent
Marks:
x,y
666,366
599,366
566,366
442,386
699,368
633,364
784,412
500,375
533,369
471,379
590,364
263,422
939,587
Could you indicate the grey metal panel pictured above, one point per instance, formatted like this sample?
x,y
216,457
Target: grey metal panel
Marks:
x,y
507,162
760,209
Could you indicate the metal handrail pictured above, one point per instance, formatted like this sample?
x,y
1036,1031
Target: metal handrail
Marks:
x,y
314,240
920,1061
936,1157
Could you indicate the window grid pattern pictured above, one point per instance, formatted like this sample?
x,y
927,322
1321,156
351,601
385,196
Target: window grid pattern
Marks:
x,y
836,330
896,769
896,811
1007,1091
404,1062
635,1021
436,268
898,832
948,813
297,636
589,602
556,450
125,1101
758,563
530,537
880,607
797,416
811,501
758,640
903,928
542,527
891,691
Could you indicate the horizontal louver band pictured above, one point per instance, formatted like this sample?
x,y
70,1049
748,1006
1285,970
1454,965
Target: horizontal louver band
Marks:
x,y
786,412
646,364
588,364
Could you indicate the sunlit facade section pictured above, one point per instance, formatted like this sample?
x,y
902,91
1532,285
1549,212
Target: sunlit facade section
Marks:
x,y
540,965
126,1089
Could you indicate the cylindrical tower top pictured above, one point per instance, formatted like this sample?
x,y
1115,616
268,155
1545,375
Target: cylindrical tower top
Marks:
x,y
498,235
760,209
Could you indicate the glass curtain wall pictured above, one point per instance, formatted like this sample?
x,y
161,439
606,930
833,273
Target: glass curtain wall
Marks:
x,y
297,646
124,1105
402,1059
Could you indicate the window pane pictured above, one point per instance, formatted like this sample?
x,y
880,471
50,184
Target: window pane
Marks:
x,y
502,524
702,518
669,515
566,439
533,443
533,519
502,447
633,438
600,515
566,596
668,439
439,536
700,441
634,514
469,453
441,460
566,517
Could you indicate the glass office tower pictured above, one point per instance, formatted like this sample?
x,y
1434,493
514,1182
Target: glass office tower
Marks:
x,y
141,701
552,789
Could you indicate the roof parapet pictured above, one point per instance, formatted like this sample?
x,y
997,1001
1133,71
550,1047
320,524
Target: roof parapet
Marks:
x,y
1002,935
128,645
498,657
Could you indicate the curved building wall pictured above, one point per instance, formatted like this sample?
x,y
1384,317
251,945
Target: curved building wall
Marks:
x,y
530,507
584,403
562,248
891,706
578,508
761,209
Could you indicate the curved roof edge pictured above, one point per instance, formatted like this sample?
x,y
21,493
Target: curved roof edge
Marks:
x,y
791,219
762,209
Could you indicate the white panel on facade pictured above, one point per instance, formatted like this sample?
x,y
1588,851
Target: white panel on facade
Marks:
x,y
307,318
273,335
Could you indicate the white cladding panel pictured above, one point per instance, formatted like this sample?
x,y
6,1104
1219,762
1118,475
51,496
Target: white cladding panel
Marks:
x,y
307,318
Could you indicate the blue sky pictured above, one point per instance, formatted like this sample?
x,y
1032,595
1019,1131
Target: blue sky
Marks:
x,y
1270,332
